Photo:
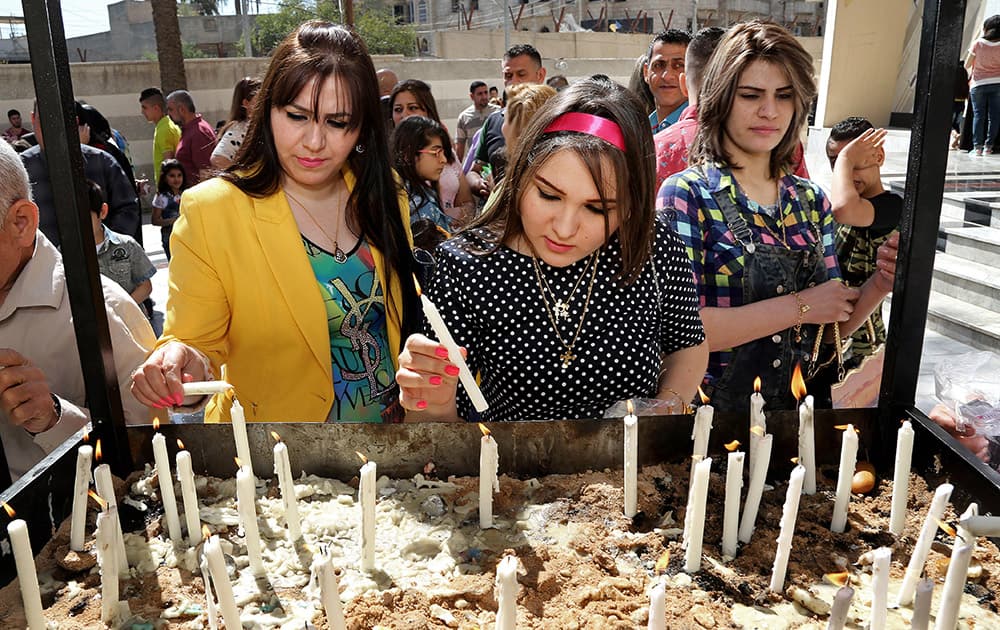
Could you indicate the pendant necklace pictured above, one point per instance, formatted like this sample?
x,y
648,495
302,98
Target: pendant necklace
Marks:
x,y
567,356
338,253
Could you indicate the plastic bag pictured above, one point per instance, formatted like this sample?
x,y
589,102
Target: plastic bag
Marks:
x,y
969,385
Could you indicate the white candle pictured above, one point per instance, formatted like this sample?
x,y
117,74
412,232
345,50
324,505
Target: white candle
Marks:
x,y
841,607
106,490
922,604
329,589
880,587
954,584
756,489
731,515
807,445
166,481
240,435
78,525
697,497
24,559
489,482
220,579
106,553
963,536
923,545
657,608
192,517
506,583
454,354
699,434
789,512
366,492
901,478
205,388
631,462
213,623
981,525
758,420
848,459
283,471
246,494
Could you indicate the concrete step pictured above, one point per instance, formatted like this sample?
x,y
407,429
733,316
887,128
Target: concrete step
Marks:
x,y
963,322
967,280
981,244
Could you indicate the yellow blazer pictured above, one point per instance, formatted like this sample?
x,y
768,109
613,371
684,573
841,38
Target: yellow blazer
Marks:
x,y
242,291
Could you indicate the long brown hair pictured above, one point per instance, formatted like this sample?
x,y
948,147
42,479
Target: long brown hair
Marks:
x,y
245,89
744,44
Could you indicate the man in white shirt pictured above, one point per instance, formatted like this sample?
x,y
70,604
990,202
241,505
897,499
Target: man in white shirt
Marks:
x,y
472,117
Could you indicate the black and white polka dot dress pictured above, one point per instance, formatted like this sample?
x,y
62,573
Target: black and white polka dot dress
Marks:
x,y
493,306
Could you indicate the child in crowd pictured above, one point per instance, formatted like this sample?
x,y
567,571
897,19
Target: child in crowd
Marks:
x,y
867,214
421,149
567,293
167,202
119,256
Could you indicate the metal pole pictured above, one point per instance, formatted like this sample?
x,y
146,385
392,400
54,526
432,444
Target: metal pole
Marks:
x,y
506,25
54,89
694,16
245,19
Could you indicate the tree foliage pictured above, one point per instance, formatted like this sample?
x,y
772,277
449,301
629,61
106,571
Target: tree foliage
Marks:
x,y
376,25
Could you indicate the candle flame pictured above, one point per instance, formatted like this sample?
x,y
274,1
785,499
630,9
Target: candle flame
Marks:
x,y
274,434
757,430
97,451
482,427
794,460
10,510
663,561
206,533
704,398
946,528
756,384
732,446
156,424
364,460
798,383
180,444
239,464
86,436
96,497
843,427
417,285
838,579
629,407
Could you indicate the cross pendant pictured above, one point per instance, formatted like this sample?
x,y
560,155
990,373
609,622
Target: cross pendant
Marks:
x,y
567,358
562,310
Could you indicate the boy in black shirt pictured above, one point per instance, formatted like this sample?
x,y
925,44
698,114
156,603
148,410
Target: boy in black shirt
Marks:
x,y
866,212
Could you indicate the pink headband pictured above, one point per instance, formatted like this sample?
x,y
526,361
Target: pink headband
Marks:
x,y
592,125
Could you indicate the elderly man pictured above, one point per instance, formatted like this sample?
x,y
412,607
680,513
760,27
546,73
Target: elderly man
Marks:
x,y
42,397
194,149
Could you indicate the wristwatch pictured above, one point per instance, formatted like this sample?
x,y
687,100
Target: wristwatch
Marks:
x,y
56,409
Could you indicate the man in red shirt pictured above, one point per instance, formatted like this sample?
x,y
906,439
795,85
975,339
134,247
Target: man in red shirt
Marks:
x,y
194,150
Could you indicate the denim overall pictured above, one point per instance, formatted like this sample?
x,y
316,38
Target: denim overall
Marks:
x,y
769,271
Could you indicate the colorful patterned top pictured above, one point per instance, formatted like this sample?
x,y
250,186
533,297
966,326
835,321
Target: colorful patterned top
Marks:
x,y
717,258
364,382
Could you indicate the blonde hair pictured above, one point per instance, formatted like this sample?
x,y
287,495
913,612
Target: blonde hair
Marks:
x,y
523,100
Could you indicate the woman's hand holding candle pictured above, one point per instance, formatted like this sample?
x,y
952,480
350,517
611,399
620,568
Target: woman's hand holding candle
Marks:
x,y
158,382
428,381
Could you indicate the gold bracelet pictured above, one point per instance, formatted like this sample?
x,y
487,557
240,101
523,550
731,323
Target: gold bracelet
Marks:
x,y
803,309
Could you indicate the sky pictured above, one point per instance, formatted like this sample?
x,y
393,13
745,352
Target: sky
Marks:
x,y
83,17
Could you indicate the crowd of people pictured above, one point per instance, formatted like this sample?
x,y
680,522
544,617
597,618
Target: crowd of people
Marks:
x,y
584,242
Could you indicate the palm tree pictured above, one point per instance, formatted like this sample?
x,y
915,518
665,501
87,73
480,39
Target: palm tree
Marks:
x,y
168,46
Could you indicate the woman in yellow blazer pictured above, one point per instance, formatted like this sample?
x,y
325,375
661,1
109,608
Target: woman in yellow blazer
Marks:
x,y
294,268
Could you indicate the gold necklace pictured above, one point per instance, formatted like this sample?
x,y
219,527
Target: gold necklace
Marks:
x,y
338,253
567,357
560,308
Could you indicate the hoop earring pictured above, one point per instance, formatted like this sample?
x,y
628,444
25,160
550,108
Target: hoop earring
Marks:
x,y
359,148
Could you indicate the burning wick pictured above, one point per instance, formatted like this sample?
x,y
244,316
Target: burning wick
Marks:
x,y
275,436
732,446
10,511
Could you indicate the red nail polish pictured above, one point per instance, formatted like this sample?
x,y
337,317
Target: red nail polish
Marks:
x,y
178,400
441,351
163,402
421,404
451,370
435,380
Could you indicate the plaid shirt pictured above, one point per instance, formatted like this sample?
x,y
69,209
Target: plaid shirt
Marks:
x,y
717,259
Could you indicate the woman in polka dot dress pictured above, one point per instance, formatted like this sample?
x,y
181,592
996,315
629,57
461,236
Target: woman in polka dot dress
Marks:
x,y
567,293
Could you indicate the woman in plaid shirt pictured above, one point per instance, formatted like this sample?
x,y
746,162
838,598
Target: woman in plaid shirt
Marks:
x,y
761,240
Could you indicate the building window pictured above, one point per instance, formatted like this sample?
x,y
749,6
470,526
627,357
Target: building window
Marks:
x,y
422,11
456,6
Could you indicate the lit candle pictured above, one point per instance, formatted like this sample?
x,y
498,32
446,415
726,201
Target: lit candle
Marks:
x,y
657,608
841,607
699,434
923,545
489,482
220,579
807,440
922,604
106,489
848,459
166,481
185,475
756,489
366,493
205,388
329,589
24,559
240,434
283,471
213,623
697,497
789,512
247,507
454,354
880,587
954,584
758,420
982,525
506,584
78,524
631,461
963,535
731,515
901,478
